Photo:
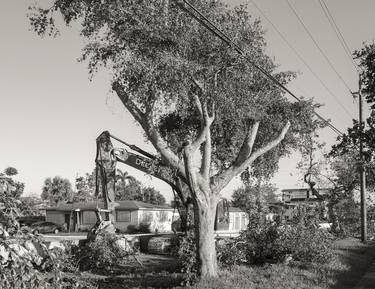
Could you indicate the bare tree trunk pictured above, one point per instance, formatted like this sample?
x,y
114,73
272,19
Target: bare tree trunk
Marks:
x,y
205,237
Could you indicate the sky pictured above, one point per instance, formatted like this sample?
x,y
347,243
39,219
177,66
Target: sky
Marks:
x,y
51,112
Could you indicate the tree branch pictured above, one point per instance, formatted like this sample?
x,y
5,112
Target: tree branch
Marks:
x,y
151,132
128,103
247,146
206,157
206,122
192,178
270,145
220,181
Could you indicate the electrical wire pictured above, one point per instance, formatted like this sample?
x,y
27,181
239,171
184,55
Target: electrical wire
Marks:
x,y
215,30
317,45
301,58
338,33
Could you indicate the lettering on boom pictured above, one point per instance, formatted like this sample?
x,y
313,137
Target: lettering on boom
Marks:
x,y
143,164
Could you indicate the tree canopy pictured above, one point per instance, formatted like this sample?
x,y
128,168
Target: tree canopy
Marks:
x,y
208,112
347,147
162,56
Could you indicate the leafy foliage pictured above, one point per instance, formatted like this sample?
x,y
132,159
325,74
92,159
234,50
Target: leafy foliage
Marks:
x,y
154,53
246,197
104,253
56,190
274,241
161,58
25,262
348,144
186,254
230,252
16,188
366,57
85,188
129,188
10,171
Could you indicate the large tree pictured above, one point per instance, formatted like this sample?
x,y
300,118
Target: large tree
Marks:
x,y
209,113
347,146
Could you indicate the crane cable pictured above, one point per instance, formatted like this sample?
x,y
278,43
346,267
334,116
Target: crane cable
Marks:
x,y
215,30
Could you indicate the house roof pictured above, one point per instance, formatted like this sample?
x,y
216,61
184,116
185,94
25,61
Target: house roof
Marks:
x,y
235,209
125,205
304,189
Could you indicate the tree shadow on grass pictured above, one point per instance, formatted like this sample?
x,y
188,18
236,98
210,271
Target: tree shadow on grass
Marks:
x,y
355,258
156,271
150,280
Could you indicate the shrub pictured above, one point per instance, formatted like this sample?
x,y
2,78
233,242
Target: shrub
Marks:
x,y
142,228
102,253
25,262
230,252
348,214
310,245
186,254
274,242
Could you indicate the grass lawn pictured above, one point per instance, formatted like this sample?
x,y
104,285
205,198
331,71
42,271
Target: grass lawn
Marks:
x,y
351,261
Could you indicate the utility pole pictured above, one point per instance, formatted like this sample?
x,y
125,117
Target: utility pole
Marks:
x,y
362,173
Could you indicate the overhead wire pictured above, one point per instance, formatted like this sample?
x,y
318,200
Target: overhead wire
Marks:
x,y
317,45
338,33
220,34
301,58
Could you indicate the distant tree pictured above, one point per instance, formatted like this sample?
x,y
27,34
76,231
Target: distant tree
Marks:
x,y
19,187
84,188
126,186
57,190
129,188
10,171
246,196
30,206
153,196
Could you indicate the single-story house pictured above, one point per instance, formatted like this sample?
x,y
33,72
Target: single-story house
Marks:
x,y
128,215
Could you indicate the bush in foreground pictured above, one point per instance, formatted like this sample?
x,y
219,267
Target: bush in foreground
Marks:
x,y
104,252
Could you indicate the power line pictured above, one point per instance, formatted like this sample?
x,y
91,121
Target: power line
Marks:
x,y
215,30
338,33
301,58
317,45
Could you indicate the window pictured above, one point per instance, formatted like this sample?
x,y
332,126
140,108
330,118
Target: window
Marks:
x,y
243,222
123,216
163,216
88,217
147,217
237,222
